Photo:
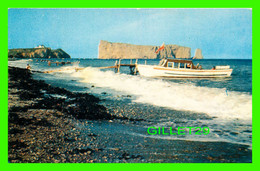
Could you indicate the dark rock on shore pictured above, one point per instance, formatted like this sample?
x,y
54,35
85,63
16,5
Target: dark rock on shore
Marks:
x,y
81,106
41,124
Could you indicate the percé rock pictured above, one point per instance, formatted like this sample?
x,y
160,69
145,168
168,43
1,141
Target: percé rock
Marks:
x,y
37,53
198,54
108,50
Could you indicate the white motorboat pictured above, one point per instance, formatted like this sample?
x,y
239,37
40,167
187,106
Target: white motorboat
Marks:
x,y
180,68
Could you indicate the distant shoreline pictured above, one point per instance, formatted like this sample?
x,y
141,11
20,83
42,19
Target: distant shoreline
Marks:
x,y
38,52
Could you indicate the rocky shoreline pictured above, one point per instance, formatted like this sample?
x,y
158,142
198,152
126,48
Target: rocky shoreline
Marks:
x,y
42,118
49,124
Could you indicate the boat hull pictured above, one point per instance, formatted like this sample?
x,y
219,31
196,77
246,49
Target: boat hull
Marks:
x,y
158,71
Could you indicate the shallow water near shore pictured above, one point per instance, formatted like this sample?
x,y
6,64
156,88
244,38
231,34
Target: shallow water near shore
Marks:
x,y
222,105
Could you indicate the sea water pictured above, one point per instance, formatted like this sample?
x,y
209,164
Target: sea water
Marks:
x,y
224,105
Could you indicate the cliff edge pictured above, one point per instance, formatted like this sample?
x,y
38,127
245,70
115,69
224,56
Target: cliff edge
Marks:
x,y
37,53
108,50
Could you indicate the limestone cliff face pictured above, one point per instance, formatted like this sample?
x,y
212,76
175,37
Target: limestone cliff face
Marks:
x,y
37,53
198,54
108,50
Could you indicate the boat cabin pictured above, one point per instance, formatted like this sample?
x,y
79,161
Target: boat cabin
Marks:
x,y
177,63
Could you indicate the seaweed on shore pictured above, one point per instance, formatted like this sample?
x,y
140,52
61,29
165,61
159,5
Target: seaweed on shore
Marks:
x,y
78,105
82,105
39,127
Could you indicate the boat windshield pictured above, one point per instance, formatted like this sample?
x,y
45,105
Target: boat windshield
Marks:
x,y
162,62
177,63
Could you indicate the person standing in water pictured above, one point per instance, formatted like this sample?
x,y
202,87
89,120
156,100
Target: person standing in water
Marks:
x,y
28,67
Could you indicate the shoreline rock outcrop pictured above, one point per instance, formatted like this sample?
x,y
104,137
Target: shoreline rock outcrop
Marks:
x,y
44,52
109,50
198,54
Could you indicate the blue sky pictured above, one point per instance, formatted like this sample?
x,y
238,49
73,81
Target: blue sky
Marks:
x,y
220,33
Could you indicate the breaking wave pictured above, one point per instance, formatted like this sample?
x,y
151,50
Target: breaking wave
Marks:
x,y
215,102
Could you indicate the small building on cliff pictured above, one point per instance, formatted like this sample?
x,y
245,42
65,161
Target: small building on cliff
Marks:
x,y
40,46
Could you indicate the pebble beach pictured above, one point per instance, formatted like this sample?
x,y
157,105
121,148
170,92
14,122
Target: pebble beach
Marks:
x,y
48,124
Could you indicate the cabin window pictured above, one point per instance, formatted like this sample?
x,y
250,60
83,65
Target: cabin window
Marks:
x,y
170,64
181,65
176,65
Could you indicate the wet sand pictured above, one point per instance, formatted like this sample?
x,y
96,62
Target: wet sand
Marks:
x,y
50,124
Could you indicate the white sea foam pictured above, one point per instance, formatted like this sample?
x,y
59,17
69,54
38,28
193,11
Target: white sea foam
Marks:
x,y
184,97
19,63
